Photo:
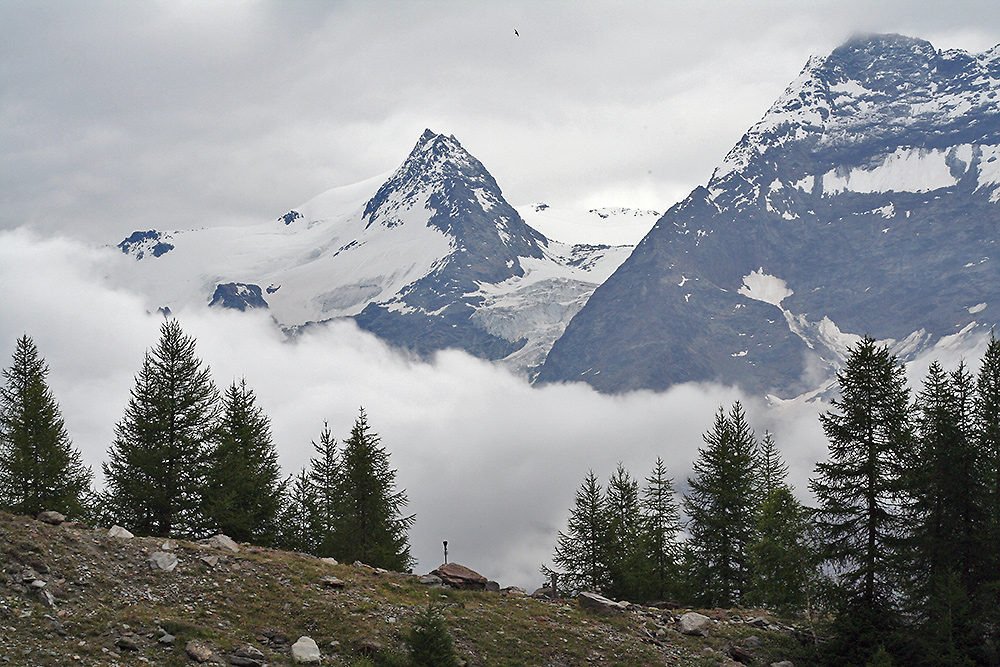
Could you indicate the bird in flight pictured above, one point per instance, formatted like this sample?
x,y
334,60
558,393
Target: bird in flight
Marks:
x,y
516,33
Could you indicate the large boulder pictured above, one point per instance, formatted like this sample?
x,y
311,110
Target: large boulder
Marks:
x,y
305,650
51,517
601,604
223,542
694,624
459,576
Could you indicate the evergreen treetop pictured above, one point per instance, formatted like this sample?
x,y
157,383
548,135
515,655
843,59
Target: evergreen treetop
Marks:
x,y
39,467
155,468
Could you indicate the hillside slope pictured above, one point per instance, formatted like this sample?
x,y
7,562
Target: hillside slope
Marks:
x,y
72,595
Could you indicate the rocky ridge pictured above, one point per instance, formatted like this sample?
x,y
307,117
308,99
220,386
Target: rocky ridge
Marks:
x,y
865,202
74,595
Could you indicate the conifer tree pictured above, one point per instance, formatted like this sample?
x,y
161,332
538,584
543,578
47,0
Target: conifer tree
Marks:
x,y
243,486
860,518
661,524
721,508
581,552
325,479
625,557
155,469
39,467
298,528
987,435
773,470
945,483
780,557
370,521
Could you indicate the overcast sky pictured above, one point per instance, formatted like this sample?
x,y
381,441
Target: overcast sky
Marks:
x,y
139,115
116,116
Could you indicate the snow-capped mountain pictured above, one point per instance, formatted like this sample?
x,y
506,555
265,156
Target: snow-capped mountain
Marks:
x,y
428,257
865,201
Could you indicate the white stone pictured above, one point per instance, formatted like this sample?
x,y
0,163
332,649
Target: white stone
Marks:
x,y
224,542
163,560
693,623
305,650
118,531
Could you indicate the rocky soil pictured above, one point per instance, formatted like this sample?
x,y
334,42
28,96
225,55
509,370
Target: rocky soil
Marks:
x,y
72,595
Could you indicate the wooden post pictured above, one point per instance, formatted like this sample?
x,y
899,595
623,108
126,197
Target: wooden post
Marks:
x,y
446,552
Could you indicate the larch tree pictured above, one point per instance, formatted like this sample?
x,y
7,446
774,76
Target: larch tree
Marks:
x,y
155,468
722,507
625,557
39,467
861,517
661,524
581,551
298,529
243,489
325,479
371,522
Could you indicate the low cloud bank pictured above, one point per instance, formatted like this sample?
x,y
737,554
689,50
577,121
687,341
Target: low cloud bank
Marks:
x,y
489,463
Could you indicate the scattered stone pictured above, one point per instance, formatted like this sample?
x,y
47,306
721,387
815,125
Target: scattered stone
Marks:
x,y
431,580
128,642
51,517
459,576
38,583
752,642
167,639
305,650
119,532
783,663
332,582
759,622
210,560
198,651
329,561
247,656
739,654
48,599
223,542
601,604
514,590
168,545
163,560
695,624
56,626
493,586
544,593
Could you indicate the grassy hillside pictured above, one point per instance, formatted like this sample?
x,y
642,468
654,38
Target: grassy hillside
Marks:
x,y
71,595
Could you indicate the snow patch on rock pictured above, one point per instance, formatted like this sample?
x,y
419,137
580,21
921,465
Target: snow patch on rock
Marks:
x,y
760,286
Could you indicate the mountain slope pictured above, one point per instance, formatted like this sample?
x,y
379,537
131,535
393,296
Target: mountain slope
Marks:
x,y
864,202
428,257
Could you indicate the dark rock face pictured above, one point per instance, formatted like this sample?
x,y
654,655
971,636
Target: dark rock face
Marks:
x,y
238,296
489,238
864,202
290,217
139,244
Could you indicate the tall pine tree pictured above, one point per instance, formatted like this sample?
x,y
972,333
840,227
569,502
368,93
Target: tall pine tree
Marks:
x,y
624,545
661,523
298,530
325,478
39,467
722,508
155,469
243,486
370,522
581,552
861,515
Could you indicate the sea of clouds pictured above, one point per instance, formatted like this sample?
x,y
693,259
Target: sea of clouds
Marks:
x,y
488,462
